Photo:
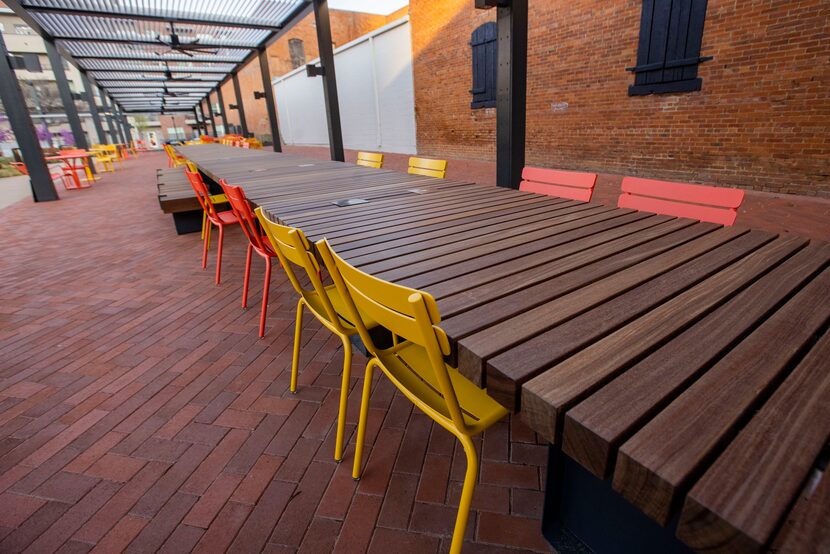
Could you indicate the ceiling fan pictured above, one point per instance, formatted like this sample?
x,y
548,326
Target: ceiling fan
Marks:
x,y
168,74
187,48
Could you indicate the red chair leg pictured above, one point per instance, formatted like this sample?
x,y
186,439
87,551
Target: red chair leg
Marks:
x,y
219,255
247,276
265,289
205,249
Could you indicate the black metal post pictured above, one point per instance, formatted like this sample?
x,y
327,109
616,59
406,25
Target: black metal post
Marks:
x,y
56,61
222,108
198,125
119,124
43,188
126,124
93,109
321,18
108,116
203,120
210,116
270,103
239,105
511,95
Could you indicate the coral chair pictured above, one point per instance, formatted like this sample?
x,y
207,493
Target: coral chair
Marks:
x,y
256,243
430,168
564,184
370,159
59,174
706,203
293,249
219,219
415,366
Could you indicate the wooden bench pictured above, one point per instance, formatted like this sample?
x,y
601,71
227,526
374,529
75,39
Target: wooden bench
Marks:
x,y
176,197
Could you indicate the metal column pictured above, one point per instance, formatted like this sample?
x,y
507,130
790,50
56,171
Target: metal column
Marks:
x,y
43,188
269,99
210,116
203,123
222,108
108,117
321,17
197,125
239,105
93,109
56,61
511,95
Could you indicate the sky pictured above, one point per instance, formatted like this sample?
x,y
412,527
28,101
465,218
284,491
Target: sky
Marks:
x,y
382,7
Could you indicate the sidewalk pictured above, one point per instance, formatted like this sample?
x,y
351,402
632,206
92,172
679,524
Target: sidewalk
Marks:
x,y
777,213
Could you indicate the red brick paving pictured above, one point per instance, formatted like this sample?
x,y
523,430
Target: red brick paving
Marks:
x,y
139,411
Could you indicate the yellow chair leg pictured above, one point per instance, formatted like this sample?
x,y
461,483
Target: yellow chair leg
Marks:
x,y
344,398
298,333
466,494
361,424
204,221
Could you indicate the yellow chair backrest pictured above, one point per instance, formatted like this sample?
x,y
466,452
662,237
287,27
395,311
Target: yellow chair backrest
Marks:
x,y
408,313
370,159
430,168
293,249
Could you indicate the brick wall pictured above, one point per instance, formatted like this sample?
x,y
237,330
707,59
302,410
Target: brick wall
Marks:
x,y
761,120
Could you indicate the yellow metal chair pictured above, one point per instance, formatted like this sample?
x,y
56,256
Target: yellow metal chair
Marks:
x,y
112,150
293,249
370,159
430,168
103,158
416,366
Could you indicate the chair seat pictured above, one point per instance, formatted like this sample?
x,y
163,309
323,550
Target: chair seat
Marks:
x,y
224,218
410,369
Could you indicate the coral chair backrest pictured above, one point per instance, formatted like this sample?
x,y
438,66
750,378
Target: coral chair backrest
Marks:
x,y
408,313
293,249
242,210
201,190
20,166
706,203
370,159
430,168
564,184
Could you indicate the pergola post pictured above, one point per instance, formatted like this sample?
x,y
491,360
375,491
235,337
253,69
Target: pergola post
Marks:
x,y
265,70
511,93
203,120
198,125
210,116
322,20
222,108
107,117
43,188
121,124
93,109
56,61
239,105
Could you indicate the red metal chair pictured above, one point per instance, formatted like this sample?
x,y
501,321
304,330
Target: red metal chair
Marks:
x,y
257,242
214,216
706,203
564,184
64,175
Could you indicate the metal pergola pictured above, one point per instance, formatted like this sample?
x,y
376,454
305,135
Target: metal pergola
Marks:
x,y
160,57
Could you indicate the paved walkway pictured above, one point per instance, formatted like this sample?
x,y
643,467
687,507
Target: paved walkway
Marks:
x,y
140,412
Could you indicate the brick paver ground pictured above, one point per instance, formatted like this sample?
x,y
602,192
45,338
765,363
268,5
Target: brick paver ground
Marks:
x,y
139,411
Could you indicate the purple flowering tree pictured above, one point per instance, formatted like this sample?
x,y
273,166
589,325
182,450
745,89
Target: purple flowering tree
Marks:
x,y
67,138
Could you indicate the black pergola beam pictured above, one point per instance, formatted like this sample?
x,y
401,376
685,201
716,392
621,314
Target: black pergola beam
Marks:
x,y
93,109
321,18
153,58
75,38
511,92
162,70
67,100
146,17
270,104
43,189
240,106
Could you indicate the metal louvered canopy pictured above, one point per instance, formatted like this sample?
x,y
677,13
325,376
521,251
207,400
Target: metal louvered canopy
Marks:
x,y
154,56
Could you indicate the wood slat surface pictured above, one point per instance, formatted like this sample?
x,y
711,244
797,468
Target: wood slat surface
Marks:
x,y
681,358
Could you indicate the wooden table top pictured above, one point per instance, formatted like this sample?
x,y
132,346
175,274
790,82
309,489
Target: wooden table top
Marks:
x,y
687,362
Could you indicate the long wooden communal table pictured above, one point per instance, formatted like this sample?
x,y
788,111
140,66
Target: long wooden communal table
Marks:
x,y
686,364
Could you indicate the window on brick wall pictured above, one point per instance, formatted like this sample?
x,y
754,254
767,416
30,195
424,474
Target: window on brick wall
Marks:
x,y
296,49
669,49
484,47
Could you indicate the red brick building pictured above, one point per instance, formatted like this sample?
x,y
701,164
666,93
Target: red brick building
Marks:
x,y
760,120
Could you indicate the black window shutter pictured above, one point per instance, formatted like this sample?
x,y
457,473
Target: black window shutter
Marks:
x,y
484,44
668,52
